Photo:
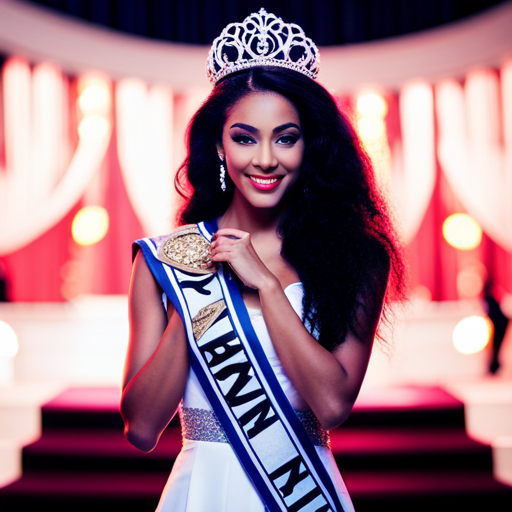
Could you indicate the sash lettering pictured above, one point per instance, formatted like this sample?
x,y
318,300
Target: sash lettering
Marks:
x,y
308,498
261,412
219,350
293,467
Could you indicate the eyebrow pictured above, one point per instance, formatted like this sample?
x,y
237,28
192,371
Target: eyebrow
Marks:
x,y
247,127
285,126
252,129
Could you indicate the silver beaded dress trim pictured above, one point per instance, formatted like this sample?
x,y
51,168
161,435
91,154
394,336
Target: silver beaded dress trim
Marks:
x,y
318,435
203,425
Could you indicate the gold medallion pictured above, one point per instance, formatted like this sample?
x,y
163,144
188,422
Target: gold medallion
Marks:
x,y
186,249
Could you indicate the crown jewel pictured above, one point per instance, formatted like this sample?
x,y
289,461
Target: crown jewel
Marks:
x,y
262,39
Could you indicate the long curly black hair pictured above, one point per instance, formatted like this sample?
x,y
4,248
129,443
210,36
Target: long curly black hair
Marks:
x,y
337,232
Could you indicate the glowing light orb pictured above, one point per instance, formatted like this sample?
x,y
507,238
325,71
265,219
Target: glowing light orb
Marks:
x,y
471,280
371,129
422,292
469,284
8,340
90,225
472,334
372,105
462,231
95,98
92,127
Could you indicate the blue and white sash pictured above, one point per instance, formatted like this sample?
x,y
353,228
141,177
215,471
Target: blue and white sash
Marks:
x,y
226,355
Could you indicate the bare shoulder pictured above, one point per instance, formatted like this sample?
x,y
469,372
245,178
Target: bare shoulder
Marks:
x,y
142,281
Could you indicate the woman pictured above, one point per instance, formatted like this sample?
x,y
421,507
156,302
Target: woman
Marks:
x,y
272,289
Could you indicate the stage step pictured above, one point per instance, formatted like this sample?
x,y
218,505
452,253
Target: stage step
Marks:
x,y
370,448
407,449
401,446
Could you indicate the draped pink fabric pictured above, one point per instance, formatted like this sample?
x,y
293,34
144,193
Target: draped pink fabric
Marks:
x,y
413,155
45,174
475,147
54,268
145,149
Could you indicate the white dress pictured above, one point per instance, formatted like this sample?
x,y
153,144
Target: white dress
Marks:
x,y
207,476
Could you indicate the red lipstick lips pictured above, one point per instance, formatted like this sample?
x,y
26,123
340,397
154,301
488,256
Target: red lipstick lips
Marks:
x,y
269,182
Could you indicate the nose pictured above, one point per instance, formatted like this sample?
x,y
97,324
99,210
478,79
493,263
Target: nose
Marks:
x,y
264,157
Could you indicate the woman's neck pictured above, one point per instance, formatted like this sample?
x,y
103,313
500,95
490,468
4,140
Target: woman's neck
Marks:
x,y
244,216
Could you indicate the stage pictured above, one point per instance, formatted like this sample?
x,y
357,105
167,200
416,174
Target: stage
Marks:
x,y
429,421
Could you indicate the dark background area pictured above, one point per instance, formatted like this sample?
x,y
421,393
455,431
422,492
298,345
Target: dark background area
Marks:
x,y
327,22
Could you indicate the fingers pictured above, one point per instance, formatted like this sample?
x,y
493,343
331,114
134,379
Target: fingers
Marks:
x,y
234,247
222,251
227,246
220,257
228,238
230,233
219,250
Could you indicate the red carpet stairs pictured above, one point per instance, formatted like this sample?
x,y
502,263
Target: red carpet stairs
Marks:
x,y
402,449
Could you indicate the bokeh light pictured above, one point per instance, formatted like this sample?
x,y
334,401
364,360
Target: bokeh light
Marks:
x,y
469,284
94,104
92,127
94,98
90,225
472,334
371,128
471,280
422,293
371,109
71,274
462,231
8,340
372,105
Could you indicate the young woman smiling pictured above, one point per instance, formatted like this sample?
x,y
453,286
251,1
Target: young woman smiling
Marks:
x,y
273,289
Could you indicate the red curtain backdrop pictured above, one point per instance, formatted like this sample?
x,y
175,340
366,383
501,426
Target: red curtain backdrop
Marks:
x,y
55,268
106,266
33,273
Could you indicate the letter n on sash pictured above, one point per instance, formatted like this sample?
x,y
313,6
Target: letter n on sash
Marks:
x,y
220,350
261,412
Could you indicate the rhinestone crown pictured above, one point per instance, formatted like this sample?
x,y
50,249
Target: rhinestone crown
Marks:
x,y
262,39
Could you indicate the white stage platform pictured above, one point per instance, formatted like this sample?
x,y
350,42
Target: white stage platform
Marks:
x,y
84,341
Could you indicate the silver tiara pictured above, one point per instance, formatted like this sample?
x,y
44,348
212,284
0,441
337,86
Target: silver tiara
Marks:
x,y
262,39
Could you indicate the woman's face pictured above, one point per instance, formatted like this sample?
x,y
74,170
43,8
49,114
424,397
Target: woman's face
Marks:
x,y
263,147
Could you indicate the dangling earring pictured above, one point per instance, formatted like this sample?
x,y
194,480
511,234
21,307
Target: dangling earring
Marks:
x,y
222,177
